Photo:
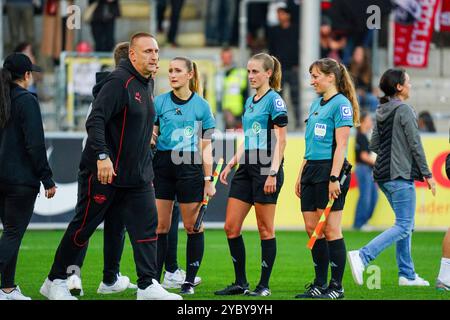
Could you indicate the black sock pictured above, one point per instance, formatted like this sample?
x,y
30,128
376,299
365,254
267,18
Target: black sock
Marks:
x,y
237,251
337,260
321,259
171,263
194,254
161,253
268,253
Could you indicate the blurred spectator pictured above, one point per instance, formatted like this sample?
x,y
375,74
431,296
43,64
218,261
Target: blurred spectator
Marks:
x,y
426,123
294,8
27,49
232,89
272,13
55,37
368,193
103,23
176,7
20,17
283,43
349,21
257,26
220,16
361,70
325,36
331,44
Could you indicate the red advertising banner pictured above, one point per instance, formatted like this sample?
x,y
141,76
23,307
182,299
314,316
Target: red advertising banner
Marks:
x,y
444,20
412,40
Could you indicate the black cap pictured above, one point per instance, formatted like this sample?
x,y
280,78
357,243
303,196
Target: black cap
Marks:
x,y
19,63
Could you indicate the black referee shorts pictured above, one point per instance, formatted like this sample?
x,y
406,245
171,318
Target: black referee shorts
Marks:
x,y
248,184
184,181
314,186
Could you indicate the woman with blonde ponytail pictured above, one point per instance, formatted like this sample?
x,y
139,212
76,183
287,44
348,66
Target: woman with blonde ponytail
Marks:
x,y
183,126
327,132
259,179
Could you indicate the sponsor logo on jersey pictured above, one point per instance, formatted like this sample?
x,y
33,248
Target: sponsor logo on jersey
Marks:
x,y
280,105
346,112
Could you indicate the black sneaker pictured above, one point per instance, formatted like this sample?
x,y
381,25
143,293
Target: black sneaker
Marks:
x,y
312,291
232,289
187,288
260,291
334,291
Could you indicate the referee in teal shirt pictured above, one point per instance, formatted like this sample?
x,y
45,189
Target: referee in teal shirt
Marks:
x,y
327,132
259,178
183,161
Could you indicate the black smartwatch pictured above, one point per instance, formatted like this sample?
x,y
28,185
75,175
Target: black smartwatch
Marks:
x,y
208,178
333,178
102,156
273,173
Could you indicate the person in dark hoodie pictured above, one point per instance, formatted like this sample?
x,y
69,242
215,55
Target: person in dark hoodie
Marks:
x,y
23,164
114,229
116,173
400,160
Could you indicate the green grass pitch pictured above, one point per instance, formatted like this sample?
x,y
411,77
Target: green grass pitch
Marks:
x,y
293,266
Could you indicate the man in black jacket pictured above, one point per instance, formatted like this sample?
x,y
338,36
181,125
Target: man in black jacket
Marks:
x,y
114,229
116,173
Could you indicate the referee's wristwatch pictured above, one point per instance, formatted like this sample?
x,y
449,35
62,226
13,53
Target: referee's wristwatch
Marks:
x,y
102,156
209,178
273,173
334,178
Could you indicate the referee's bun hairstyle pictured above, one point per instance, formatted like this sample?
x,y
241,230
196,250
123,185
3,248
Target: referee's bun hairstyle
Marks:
x,y
194,83
344,82
389,81
271,63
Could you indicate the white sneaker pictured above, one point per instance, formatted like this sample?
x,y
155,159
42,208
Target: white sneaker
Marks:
x,y
59,291
45,288
156,292
16,294
357,266
122,283
176,279
418,281
74,285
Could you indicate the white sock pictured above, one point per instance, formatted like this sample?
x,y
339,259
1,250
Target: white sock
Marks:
x,y
444,272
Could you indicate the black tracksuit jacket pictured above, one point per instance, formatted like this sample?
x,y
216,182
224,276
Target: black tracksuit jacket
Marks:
x,y
23,158
121,125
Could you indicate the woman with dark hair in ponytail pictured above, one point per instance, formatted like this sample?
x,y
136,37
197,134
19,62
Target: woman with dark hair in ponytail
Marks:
x,y
183,162
400,160
259,178
327,133
23,164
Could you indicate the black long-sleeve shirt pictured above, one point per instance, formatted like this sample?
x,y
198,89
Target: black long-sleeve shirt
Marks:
x,y
23,158
284,44
121,125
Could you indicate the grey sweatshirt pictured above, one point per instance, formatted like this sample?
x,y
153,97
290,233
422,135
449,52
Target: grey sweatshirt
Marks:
x,y
397,143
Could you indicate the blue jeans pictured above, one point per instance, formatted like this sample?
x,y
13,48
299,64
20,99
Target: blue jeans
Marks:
x,y
368,195
401,195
